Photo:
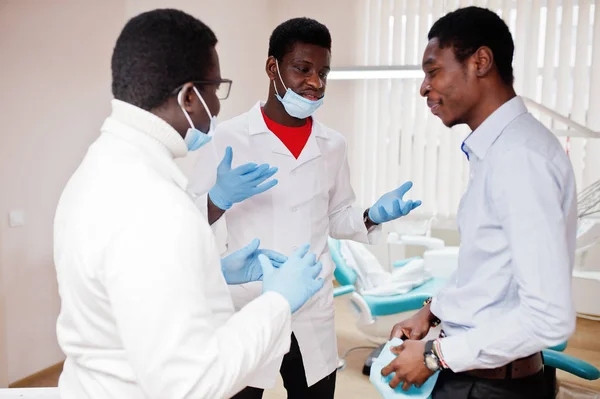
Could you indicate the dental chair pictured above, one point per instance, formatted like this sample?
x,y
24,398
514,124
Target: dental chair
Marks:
x,y
377,314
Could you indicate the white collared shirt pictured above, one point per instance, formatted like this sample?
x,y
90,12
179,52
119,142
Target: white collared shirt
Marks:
x,y
511,294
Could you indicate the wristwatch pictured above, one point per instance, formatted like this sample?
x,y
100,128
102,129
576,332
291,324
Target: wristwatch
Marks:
x,y
366,218
432,362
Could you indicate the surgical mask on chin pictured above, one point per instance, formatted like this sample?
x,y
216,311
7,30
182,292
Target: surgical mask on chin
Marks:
x,y
194,138
296,105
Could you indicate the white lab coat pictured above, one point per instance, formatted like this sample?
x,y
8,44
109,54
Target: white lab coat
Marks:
x,y
145,309
313,200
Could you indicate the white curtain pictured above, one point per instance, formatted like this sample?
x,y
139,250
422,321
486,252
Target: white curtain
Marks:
x,y
557,63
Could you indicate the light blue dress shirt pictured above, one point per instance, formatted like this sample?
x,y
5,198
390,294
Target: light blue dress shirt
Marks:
x,y
511,294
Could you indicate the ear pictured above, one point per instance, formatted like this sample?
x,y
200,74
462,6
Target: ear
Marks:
x,y
186,96
484,61
271,68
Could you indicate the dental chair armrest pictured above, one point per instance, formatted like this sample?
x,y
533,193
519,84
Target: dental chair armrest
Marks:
x,y
394,304
343,290
560,347
570,364
424,241
403,262
411,301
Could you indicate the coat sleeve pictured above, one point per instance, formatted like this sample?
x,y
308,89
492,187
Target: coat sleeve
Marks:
x,y
345,218
204,175
202,179
162,275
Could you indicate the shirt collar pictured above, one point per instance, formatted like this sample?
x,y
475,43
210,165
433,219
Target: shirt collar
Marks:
x,y
257,125
149,124
482,138
152,135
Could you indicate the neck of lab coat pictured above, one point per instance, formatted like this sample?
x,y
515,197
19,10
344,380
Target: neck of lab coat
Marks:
x,y
149,124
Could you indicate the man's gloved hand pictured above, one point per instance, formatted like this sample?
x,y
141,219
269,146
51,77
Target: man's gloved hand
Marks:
x,y
391,205
243,182
243,266
296,280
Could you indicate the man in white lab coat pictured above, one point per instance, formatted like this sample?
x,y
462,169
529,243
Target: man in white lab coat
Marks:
x,y
145,308
313,199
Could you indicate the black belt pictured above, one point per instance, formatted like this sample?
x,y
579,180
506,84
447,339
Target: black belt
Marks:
x,y
520,368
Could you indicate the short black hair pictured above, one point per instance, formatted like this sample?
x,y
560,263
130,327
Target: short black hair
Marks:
x,y
292,31
156,52
467,29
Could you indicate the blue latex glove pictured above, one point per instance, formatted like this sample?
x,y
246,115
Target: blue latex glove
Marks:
x,y
391,205
243,266
243,182
296,280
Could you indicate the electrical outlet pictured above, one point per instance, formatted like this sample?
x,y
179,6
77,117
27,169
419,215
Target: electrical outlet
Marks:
x,y
16,219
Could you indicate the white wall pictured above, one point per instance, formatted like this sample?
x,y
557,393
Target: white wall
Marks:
x,y
3,341
55,81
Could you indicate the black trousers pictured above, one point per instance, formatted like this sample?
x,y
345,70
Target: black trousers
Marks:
x,y
294,380
462,386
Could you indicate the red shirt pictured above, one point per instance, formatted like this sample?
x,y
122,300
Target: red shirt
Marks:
x,y
294,138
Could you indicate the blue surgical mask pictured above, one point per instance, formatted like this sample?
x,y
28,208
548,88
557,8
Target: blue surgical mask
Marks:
x,y
296,105
194,138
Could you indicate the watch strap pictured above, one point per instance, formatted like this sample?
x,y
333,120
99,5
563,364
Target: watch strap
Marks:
x,y
367,219
428,347
435,322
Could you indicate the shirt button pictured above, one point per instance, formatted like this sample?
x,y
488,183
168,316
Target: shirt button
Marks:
x,y
295,210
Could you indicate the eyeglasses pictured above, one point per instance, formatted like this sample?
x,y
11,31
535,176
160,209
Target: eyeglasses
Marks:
x,y
223,87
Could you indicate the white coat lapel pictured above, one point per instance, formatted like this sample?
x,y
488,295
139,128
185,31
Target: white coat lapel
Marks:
x,y
311,149
261,135
272,142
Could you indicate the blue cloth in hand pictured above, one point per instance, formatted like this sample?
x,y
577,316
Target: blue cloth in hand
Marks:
x,y
383,383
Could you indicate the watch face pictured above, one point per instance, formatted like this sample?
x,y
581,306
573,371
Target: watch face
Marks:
x,y
431,363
